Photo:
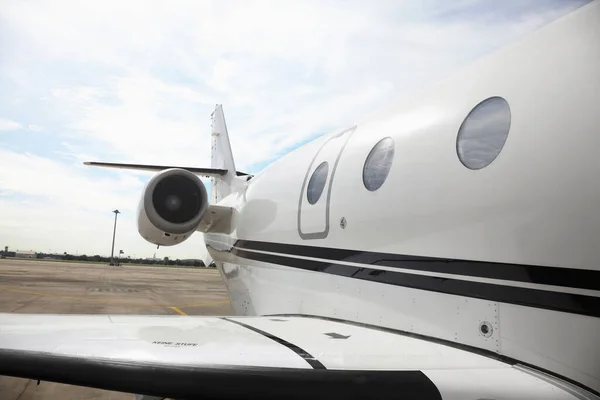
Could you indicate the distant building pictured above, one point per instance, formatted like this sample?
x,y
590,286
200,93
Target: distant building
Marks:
x,y
25,254
6,253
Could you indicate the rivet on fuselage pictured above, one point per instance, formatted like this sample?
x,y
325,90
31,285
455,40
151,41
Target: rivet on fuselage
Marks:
x,y
343,223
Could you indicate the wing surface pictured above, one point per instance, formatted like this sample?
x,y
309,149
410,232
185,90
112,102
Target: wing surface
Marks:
x,y
255,357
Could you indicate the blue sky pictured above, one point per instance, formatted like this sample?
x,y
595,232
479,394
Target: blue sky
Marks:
x,y
136,81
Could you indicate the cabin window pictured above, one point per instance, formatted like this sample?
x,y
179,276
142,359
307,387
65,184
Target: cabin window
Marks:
x,y
483,133
378,164
317,183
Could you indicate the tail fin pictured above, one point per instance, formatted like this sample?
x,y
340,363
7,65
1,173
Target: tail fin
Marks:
x,y
221,157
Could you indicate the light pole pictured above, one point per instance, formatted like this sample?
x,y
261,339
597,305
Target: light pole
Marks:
x,y
112,250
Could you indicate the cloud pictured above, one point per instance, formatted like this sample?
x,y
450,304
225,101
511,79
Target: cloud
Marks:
x,y
65,184
49,204
8,125
136,82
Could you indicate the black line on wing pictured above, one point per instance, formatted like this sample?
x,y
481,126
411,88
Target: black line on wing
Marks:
x,y
312,361
461,346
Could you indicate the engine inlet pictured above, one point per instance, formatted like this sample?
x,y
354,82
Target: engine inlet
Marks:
x,y
177,199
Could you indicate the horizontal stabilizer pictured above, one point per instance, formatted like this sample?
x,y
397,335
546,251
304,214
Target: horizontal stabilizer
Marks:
x,y
209,172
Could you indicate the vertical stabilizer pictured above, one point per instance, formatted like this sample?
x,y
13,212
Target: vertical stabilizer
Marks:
x,y
221,156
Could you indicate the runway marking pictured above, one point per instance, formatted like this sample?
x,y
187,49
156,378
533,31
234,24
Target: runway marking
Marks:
x,y
25,305
177,310
116,302
24,389
206,303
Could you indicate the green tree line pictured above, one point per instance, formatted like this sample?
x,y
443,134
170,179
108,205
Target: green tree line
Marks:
x,y
122,260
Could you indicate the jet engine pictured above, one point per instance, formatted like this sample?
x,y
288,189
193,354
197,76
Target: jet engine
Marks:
x,y
172,206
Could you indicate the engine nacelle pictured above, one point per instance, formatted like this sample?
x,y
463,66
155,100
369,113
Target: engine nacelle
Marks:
x,y
172,206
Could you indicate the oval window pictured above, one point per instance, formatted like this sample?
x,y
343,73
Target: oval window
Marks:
x,y
483,133
378,164
317,183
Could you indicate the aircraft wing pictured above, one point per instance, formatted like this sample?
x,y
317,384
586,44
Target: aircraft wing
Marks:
x,y
256,357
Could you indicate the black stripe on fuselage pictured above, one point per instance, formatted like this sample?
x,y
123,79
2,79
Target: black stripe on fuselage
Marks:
x,y
312,361
555,276
557,301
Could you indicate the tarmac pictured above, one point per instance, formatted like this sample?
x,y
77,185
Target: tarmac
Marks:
x,y
48,287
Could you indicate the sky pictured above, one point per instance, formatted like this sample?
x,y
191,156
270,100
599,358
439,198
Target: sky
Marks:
x,y
136,81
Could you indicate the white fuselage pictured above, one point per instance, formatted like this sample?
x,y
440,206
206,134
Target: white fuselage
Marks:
x,y
534,208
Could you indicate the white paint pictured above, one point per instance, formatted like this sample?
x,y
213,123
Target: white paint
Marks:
x,y
535,204
474,384
574,340
213,342
261,288
528,285
532,205
132,339
534,336
221,157
314,220
366,348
